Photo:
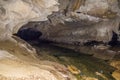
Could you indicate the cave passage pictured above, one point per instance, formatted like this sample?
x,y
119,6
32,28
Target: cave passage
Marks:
x,y
29,34
49,50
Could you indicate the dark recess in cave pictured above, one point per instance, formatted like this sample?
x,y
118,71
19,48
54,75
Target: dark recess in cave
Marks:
x,y
92,43
114,41
29,34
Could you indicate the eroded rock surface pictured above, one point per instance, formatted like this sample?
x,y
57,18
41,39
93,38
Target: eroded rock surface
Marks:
x,y
13,14
69,21
18,61
80,21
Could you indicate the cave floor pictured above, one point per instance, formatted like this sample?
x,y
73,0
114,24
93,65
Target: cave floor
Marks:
x,y
84,67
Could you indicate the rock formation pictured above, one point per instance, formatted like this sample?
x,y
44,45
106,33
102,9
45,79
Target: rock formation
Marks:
x,y
63,21
18,60
80,21
14,13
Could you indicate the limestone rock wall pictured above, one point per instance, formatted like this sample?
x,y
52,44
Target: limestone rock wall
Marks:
x,y
69,21
18,60
79,21
83,20
15,13
87,20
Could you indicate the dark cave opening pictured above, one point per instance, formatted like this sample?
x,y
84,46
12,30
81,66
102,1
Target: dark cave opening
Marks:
x,y
29,34
114,41
92,43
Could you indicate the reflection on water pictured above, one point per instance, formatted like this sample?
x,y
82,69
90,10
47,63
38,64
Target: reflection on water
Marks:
x,y
87,65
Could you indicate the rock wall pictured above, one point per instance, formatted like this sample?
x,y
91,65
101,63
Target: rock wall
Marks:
x,y
15,13
80,21
18,60
66,21
86,20
72,21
